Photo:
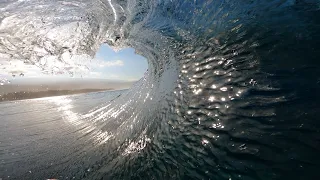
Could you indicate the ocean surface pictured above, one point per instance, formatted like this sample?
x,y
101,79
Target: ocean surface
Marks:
x,y
52,137
231,91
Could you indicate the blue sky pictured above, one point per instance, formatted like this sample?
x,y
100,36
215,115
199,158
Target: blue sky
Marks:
x,y
107,64
124,64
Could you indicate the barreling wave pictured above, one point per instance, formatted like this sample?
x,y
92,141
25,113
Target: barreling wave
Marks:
x,y
230,93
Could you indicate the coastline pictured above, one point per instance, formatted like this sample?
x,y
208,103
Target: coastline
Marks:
x,y
23,95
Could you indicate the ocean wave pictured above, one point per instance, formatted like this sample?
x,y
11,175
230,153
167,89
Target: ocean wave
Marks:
x,y
230,93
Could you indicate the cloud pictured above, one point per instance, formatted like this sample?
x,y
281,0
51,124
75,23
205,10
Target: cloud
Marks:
x,y
111,63
95,73
15,67
114,76
77,66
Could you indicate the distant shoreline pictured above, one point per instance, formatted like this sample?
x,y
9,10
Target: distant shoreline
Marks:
x,y
50,93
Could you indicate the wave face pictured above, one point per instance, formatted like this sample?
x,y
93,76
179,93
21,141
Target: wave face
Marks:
x,y
231,90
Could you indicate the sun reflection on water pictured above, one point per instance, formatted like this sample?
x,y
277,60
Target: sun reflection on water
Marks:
x,y
85,126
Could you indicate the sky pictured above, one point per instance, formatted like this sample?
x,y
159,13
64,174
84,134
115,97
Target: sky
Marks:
x,y
122,65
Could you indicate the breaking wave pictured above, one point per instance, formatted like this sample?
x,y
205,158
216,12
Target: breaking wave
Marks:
x,y
231,91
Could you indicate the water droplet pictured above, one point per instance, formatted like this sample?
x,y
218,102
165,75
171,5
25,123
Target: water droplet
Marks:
x,y
204,142
242,147
223,89
211,98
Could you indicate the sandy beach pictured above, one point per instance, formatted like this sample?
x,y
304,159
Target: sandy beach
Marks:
x,y
29,89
